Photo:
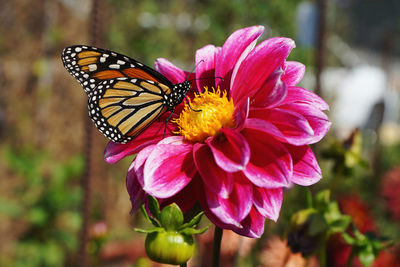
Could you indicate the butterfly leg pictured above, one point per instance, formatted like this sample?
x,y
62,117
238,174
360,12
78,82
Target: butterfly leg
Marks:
x,y
166,121
196,110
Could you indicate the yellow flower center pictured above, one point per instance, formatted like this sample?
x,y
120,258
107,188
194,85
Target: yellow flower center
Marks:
x,y
207,114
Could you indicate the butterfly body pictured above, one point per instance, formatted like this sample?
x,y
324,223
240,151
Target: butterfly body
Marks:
x,y
124,95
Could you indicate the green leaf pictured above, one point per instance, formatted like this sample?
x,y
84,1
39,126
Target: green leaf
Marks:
x,y
366,256
318,224
321,200
340,225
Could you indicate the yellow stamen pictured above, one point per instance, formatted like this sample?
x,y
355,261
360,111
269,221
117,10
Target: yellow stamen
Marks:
x,y
209,113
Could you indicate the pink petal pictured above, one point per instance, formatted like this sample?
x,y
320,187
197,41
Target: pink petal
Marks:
x,y
272,92
260,63
170,71
236,207
231,51
187,197
252,225
306,170
241,113
231,151
216,180
270,163
268,202
317,119
301,95
205,66
169,167
261,125
134,178
135,190
154,133
294,126
294,72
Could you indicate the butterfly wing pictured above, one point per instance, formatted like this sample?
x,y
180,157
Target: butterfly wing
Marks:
x,y
124,95
122,108
92,65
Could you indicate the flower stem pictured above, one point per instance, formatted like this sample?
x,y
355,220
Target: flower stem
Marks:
x,y
216,247
351,257
322,255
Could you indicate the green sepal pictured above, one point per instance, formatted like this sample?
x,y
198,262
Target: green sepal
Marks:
x,y
171,217
196,219
154,207
148,231
149,219
193,231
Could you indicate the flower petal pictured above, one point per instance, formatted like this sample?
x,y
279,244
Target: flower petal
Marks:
x,y
134,178
272,92
154,133
294,126
294,72
260,63
301,95
231,51
255,124
205,66
317,119
170,71
252,225
270,163
216,180
240,114
236,207
268,202
231,150
169,167
306,170
187,197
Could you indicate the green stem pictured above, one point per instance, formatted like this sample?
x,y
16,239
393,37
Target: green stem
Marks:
x,y
183,264
350,259
216,247
322,255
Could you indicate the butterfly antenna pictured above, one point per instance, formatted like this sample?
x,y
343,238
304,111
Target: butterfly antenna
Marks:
x,y
195,67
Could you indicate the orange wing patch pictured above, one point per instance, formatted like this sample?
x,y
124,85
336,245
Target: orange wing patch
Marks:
x,y
88,54
108,74
140,74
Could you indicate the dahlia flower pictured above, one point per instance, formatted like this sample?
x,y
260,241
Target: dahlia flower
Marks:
x,y
243,139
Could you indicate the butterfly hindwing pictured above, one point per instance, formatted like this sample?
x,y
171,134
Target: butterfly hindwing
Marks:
x,y
122,108
91,65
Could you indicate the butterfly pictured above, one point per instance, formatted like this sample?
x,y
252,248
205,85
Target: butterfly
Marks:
x,y
124,95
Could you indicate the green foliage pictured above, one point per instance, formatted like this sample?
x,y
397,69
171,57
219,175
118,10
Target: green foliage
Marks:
x,y
365,246
47,203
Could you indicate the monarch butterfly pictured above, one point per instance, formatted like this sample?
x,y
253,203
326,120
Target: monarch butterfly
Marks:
x,y
124,95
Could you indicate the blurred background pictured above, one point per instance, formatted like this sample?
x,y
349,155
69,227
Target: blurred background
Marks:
x,y
352,52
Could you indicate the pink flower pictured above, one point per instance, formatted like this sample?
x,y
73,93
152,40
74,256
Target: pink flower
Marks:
x,y
249,141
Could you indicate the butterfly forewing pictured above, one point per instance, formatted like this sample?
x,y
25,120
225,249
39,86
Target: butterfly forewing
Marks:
x,y
91,65
124,96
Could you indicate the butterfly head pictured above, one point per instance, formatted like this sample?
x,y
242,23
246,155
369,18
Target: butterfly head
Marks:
x,y
178,93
